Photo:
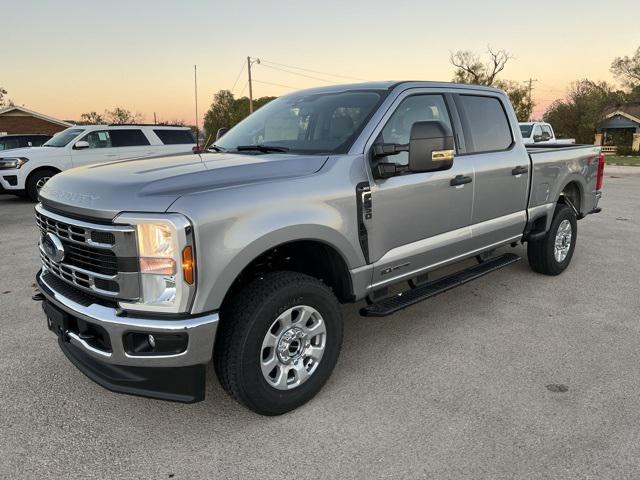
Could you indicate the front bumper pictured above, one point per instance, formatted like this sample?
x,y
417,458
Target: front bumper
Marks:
x,y
178,377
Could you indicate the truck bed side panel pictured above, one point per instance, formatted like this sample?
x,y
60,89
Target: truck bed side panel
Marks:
x,y
554,168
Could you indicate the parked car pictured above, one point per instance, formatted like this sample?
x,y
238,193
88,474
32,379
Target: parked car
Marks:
x,y
8,142
26,170
540,132
326,196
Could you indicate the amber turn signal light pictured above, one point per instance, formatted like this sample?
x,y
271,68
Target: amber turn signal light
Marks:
x,y
188,265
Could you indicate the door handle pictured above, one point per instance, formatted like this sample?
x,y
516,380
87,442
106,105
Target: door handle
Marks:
x,y
519,170
460,180
110,154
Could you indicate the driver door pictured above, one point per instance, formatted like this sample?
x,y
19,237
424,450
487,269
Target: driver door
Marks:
x,y
100,149
419,220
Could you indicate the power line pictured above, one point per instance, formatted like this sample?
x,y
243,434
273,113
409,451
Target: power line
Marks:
x,y
245,86
315,71
238,77
296,73
276,84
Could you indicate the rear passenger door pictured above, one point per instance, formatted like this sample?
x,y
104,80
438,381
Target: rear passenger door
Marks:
x,y
501,168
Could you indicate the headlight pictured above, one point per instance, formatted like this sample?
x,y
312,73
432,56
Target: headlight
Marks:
x,y
12,162
166,260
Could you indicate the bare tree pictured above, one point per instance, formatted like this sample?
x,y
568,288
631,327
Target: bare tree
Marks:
x,y
471,69
92,118
121,115
627,69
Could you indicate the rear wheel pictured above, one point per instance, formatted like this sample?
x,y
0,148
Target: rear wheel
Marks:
x,y
36,181
279,341
552,254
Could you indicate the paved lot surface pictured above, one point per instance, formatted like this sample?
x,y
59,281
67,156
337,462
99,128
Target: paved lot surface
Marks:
x,y
452,388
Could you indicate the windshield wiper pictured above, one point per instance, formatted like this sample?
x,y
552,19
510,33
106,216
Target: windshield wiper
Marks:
x,y
261,148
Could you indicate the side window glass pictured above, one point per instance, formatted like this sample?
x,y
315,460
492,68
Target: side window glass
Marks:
x,y
128,138
486,123
416,108
98,139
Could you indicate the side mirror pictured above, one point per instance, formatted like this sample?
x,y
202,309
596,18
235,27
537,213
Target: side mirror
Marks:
x,y
220,133
431,147
81,145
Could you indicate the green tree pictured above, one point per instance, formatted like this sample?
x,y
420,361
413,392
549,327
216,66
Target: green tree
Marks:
x,y
577,116
519,97
627,69
4,100
226,111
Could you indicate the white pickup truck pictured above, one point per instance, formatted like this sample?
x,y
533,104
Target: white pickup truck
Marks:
x,y
26,170
541,132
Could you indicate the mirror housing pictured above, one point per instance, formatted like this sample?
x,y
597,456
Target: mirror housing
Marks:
x,y
431,147
220,133
81,145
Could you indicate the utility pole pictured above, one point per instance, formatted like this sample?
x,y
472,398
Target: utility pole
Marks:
x,y
530,82
195,87
249,63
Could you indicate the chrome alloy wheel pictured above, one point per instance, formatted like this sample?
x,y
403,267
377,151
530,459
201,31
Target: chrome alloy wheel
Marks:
x,y
40,183
563,241
293,347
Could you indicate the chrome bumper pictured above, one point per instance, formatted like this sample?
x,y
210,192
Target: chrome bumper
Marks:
x,y
201,331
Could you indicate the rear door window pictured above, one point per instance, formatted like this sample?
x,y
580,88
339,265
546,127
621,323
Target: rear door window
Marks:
x,y
175,137
485,122
128,138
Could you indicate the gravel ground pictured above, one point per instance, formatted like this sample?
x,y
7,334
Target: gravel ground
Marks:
x,y
515,375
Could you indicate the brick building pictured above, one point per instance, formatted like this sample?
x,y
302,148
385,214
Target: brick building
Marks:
x,y
22,120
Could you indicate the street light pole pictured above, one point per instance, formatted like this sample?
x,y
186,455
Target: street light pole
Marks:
x,y
249,63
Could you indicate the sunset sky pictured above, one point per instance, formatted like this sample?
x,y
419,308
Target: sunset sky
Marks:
x,y
63,58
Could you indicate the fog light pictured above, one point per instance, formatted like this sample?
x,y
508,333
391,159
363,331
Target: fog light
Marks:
x,y
157,344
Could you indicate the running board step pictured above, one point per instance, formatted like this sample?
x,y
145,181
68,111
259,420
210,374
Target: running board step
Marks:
x,y
410,297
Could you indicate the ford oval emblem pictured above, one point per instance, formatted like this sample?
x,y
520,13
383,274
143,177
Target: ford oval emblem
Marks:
x,y
52,247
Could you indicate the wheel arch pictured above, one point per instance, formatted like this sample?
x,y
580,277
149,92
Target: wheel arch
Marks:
x,y
320,252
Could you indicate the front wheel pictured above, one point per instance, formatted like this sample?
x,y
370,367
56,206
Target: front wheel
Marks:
x,y
552,254
278,342
36,181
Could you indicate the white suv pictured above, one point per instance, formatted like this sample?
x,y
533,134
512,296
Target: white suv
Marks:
x,y
26,170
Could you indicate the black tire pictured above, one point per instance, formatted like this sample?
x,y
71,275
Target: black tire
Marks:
x,y
541,252
245,322
32,182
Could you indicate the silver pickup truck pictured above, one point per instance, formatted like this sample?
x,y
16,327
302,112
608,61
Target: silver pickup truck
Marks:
x,y
243,253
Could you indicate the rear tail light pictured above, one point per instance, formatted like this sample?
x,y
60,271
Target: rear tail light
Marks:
x,y
600,177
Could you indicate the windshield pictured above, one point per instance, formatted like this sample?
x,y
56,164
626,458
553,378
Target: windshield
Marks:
x,y
526,130
63,138
311,123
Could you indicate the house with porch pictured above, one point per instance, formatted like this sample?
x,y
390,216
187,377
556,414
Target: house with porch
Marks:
x,y
619,130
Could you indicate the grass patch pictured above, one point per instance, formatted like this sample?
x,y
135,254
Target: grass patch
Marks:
x,y
620,160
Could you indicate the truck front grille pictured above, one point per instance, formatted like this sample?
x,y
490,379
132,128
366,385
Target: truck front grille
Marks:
x,y
99,259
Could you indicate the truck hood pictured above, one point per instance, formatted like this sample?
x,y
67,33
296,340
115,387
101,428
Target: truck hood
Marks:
x,y
153,184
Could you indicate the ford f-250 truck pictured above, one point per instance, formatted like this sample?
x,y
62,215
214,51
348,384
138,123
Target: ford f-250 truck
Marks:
x,y
243,254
